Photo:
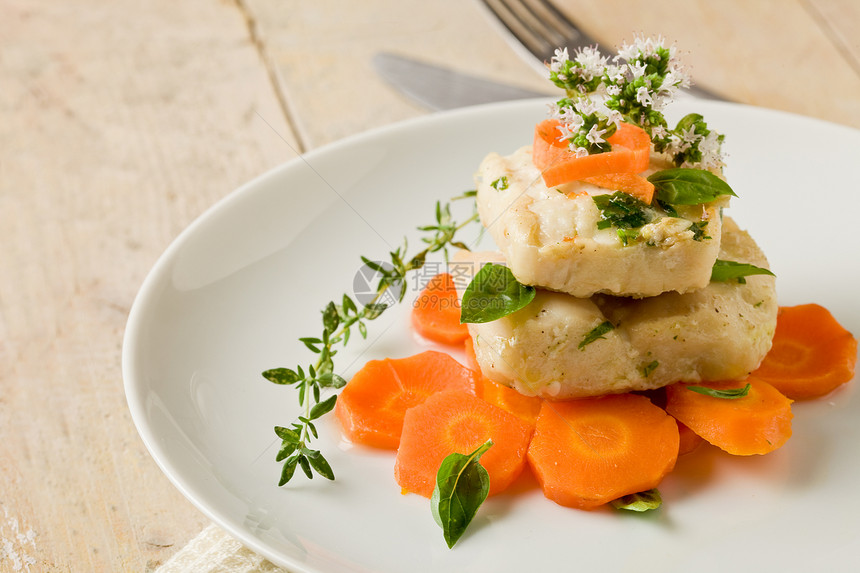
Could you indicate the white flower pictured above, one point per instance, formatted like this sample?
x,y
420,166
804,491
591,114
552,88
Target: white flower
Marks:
x,y
712,156
595,136
579,151
614,116
658,132
592,62
613,90
637,69
559,59
586,106
643,96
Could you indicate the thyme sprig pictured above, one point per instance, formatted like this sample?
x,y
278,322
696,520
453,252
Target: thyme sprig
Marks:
x,y
338,322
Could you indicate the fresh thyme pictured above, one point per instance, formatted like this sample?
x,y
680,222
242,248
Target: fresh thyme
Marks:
x,y
338,322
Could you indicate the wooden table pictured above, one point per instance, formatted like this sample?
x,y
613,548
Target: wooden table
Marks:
x,y
120,122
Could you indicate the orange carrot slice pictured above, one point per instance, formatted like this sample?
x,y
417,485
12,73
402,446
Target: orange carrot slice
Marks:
x,y
526,408
588,452
629,183
812,353
436,312
631,153
471,359
372,405
689,440
456,421
757,423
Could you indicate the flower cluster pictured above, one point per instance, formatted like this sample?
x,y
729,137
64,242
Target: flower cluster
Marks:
x,y
635,86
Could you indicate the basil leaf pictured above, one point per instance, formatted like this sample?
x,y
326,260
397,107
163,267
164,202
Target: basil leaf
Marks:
x,y
729,394
493,294
728,270
685,186
596,333
462,485
642,501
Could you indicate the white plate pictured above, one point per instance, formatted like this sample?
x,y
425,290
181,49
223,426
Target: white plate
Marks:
x,y
233,293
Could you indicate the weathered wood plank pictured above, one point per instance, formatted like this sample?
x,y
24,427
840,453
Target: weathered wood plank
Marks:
x,y
120,122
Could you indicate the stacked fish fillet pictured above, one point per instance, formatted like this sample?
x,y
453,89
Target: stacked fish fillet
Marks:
x,y
669,322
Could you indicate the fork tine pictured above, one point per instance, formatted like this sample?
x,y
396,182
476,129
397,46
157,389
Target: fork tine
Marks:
x,y
540,28
538,25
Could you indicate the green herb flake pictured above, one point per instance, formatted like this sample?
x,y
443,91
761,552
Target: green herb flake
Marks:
x,y
728,394
687,186
621,211
596,333
698,230
493,293
462,485
500,184
649,368
642,501
728,270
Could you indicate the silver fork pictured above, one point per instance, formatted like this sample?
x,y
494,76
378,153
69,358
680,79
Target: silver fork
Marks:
x,y
535,28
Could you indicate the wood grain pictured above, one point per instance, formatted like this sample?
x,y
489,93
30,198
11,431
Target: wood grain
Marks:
x,y
111,142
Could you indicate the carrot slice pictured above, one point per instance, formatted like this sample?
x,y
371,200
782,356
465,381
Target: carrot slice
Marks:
x,y
757,423
588,452
471,359
436,312
812,354
690,440
372,405
629,183
631,153
526,408
456,421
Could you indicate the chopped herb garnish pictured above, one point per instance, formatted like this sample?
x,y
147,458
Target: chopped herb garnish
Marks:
x,y
698,230
642,501
627,236
493,293
728,270
500,184
462,485
621,211
728,394
649,368
596,333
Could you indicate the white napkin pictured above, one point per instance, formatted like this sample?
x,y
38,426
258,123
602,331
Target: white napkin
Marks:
x,y
215,551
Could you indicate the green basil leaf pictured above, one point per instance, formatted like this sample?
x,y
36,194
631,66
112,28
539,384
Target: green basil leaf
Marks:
x,y
729,394
684,186
462,485
493,294
642,501
728,270
596,333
